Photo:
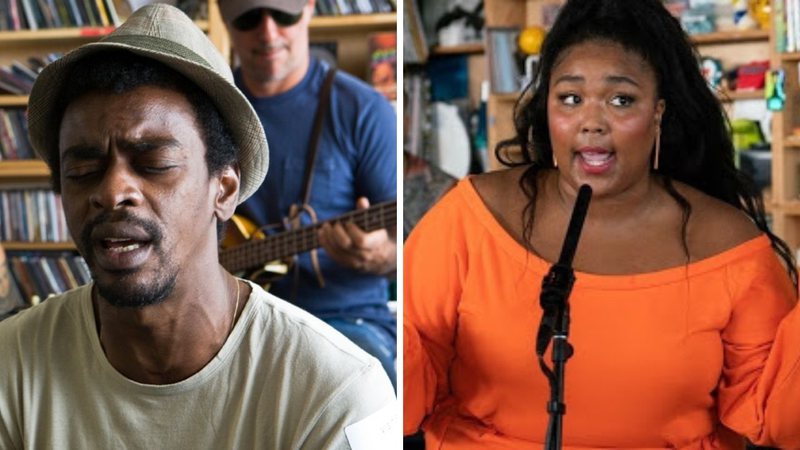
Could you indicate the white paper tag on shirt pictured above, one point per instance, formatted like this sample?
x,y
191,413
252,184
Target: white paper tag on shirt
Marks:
x,y
376,430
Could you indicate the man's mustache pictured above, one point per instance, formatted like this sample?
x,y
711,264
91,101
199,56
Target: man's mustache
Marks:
x,y
151,228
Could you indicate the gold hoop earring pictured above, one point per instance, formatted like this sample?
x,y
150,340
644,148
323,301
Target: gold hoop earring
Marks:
x,y
555,161
658,148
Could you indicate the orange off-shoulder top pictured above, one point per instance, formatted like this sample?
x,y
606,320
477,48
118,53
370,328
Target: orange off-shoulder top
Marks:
x,y
668,359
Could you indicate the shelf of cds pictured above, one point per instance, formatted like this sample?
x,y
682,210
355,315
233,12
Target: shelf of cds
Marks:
x,y
38,275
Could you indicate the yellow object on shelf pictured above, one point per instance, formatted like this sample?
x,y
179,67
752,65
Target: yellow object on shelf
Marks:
x,y
530,40
761,11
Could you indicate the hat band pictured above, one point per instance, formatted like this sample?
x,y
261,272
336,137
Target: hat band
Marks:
x,y
159,45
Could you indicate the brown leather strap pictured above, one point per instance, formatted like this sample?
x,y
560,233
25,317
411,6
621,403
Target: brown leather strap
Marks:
x,y
316,132
311,157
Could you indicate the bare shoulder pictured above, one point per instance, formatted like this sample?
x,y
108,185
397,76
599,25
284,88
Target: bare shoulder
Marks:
x,y
501,193
498,187
715,226
497,182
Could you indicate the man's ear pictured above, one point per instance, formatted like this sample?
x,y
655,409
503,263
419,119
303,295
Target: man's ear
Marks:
x,y
227,193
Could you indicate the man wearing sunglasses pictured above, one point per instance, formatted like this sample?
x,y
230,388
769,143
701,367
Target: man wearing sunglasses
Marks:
x,y
343,283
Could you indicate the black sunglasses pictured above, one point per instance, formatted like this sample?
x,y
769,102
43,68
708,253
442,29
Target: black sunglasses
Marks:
x,y
250,20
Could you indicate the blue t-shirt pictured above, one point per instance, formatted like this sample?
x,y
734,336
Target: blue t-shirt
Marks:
x,y
356,157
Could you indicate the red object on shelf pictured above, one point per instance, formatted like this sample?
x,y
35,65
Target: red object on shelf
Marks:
x,y
751,76
96,31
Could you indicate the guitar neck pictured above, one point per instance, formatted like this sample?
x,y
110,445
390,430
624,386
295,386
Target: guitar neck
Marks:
x,y
282,245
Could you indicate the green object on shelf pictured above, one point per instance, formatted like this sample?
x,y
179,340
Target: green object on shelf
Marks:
x,y
746,134
774,91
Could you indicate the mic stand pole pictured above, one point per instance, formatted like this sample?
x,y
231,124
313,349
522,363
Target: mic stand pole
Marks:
x,y
556,288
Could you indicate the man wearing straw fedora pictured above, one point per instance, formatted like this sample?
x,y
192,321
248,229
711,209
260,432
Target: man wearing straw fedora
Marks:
x,y
152,147
333,159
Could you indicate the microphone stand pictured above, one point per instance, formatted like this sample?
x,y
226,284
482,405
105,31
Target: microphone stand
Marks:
x,y
556,288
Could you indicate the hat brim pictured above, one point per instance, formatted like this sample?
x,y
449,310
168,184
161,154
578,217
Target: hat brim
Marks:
x,y
44,120
231,9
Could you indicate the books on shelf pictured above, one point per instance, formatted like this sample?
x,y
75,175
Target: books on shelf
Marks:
x,y
503,68
382,70
39,14
14,142
348,7
5,16
17,78
416,98
786,21
32,215
41,274
415,45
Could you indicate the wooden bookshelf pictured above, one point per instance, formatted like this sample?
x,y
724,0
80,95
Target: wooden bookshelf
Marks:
x,y
350,33
790,57
791,141
38,246
45,35
14,101
12,171
463,49
353,21
510,97
731,37
732,96
792,207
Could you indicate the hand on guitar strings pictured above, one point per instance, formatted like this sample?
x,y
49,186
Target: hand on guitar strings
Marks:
x,y
347,244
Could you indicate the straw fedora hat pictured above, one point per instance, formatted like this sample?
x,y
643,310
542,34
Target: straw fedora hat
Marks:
x,y
165,34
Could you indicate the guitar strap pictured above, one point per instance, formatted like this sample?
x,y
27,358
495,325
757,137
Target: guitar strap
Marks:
x,y
304,206
316,132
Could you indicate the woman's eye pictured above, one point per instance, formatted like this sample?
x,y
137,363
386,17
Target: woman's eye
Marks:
x,y
622,100
569,99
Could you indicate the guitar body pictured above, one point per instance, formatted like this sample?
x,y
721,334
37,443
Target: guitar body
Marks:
x,y
241,230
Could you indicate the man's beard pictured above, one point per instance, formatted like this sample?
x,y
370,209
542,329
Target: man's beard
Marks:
x,y
123,291
127,295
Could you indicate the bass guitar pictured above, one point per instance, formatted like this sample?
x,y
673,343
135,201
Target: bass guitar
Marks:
x,y
245,249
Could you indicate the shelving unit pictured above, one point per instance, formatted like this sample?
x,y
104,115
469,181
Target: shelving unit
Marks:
x,y
463,49
350,34
13,101
732,96
360,21
38,246
786,151
500,107
24,172
731,37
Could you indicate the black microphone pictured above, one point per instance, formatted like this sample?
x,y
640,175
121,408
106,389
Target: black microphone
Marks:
x,y
575,225
557,284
